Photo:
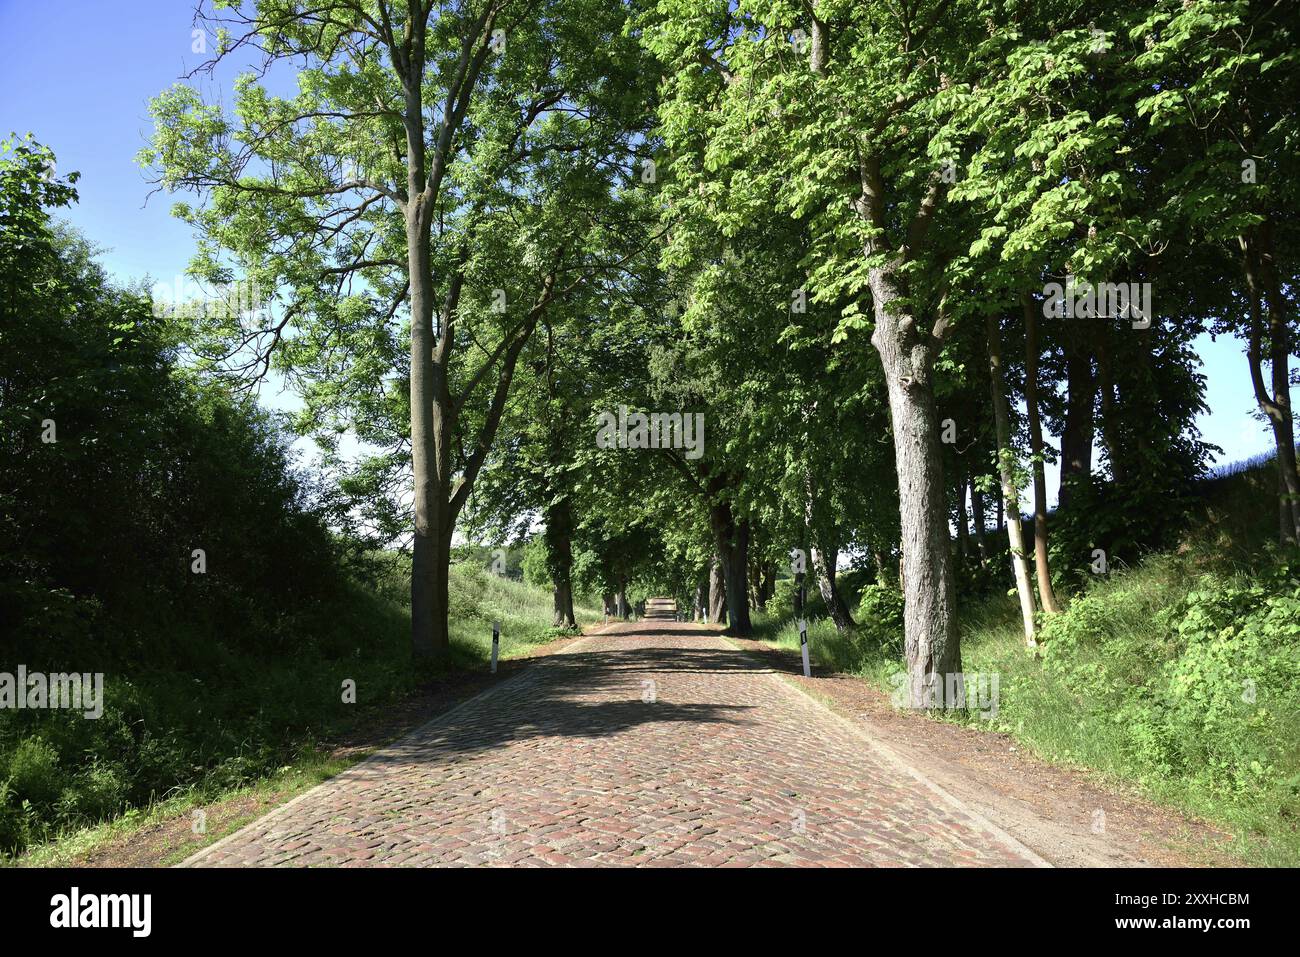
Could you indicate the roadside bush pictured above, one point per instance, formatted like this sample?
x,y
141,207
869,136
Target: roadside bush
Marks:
x,y
210,679
880,609
782,602
1201,686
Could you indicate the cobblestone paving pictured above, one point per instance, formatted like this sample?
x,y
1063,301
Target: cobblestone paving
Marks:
x,y
654,744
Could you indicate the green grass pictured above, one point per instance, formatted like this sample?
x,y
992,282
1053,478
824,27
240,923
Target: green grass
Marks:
x,y
171,740
309,769
851,653
525,612
1129,695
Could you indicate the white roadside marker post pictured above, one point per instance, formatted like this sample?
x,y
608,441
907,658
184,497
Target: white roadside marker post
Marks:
x,y
496,644
803,647
803,626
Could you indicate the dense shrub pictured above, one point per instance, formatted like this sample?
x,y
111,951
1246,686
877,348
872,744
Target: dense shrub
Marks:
x,y
209,678
880,617
782,602
1207,690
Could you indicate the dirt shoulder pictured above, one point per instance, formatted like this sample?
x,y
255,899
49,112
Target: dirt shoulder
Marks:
x,y
1051,809
170,837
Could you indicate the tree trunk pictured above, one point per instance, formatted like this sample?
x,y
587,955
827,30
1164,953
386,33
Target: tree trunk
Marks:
x,y
981,526
930,628
434,504
963,520
559,560
717,593
824,561
1041,566
732,541
608,605
738,619
1081,404
1106,383
700,612
1285,535
620,598
428,573
563,604
1261,272
1010,493
761,583
822,551
882,572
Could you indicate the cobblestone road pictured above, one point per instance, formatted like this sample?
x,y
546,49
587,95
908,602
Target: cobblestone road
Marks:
x,y
655,743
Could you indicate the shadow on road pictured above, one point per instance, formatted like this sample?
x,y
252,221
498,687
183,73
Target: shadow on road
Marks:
x,y
584,694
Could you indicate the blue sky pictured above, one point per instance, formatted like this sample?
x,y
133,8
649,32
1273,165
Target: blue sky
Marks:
x,y
81,79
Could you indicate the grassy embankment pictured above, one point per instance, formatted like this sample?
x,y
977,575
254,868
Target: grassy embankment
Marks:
x,y
256,731
1178,677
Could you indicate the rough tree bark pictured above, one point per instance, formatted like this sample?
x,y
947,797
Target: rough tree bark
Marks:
x,y
559,557
1262,284
731,538
1041,565
929,617
428,627
824,561
717,592
1010,493
431,412
907,354
1079,429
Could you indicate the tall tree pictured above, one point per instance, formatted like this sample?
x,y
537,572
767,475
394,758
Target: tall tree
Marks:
x,y
1010,484
442,162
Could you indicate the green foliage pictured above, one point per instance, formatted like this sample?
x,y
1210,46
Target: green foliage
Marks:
x,y
1183,679
783,599
880,617
211,680
873,646
116,465
1180,673
536,563
926,165
1213,698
